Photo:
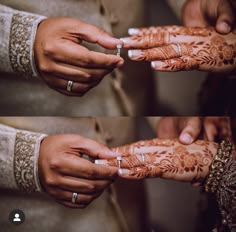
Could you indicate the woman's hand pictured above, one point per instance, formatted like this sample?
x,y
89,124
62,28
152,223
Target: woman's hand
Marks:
x,y
176,48
165,158
60,56
63,171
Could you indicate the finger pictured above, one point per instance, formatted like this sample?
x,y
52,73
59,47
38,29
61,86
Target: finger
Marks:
x,y
83,185
130,161
184,63
191,130
77,55
226,18
225,128
82,199
96,150
72,205
77,74
97,35
61,84
81,168
150,171
161,36
166,128
210,129
161,53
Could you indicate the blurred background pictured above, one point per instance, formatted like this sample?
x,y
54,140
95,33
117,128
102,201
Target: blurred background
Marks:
x,y
177,92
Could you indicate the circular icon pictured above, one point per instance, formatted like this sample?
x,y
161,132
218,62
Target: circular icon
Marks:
x,y
16,217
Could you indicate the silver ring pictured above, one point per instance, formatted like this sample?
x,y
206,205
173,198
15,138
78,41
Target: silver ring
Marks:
x,y
179,49
74,198
143,159
69,86
119,160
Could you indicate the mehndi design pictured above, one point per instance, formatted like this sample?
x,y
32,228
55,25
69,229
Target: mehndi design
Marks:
x,y
165,158
201,48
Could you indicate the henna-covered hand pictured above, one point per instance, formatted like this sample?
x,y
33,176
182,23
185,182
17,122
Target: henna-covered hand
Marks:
x,y
176,48
166,158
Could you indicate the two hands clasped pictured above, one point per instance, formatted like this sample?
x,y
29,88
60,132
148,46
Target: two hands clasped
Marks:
x,y
63,170
208,43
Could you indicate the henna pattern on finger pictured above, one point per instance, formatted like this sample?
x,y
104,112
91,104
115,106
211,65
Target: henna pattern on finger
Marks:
x,y
163,53
176,161
145,172
130,149
178,64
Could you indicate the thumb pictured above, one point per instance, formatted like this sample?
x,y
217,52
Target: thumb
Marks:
x,y
93,34
226,18
191,131
95,149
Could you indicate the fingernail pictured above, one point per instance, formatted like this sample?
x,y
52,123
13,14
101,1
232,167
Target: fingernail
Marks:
x,y
123,172
224,26
134,53
156,64
153,64
133,31
98,162
186,138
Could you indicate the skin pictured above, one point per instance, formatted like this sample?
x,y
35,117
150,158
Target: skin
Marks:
x,y
201,48
189,129
62,169
167,159
61,57
218,13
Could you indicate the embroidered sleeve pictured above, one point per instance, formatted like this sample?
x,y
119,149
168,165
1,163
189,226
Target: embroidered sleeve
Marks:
x,y
19,152
226,195
17,35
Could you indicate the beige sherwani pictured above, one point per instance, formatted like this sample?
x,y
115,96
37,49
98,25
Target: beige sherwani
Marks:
x,y
18,174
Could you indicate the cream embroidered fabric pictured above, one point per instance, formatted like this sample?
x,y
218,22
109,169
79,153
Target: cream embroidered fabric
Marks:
x,y
18,31
19,159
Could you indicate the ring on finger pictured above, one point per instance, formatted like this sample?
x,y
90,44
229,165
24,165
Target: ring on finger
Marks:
x,y
74,198
179,50
69,86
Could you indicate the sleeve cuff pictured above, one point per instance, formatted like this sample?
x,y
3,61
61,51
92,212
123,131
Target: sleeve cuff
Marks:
x,y
26,152
21,45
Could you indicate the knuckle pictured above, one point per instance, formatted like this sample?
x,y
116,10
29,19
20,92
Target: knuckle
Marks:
x,y
44,67
54,164
50,181
49,49
91,188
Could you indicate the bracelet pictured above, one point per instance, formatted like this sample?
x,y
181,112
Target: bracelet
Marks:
x,y
217,167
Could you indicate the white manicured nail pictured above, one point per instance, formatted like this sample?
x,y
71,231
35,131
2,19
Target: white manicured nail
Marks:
x,y
133,31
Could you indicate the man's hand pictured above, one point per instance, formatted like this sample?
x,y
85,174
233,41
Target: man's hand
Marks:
x,y
217,13
61,57
63,171
189,129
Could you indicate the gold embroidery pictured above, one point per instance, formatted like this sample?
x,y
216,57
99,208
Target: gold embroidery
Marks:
x,y
24,159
